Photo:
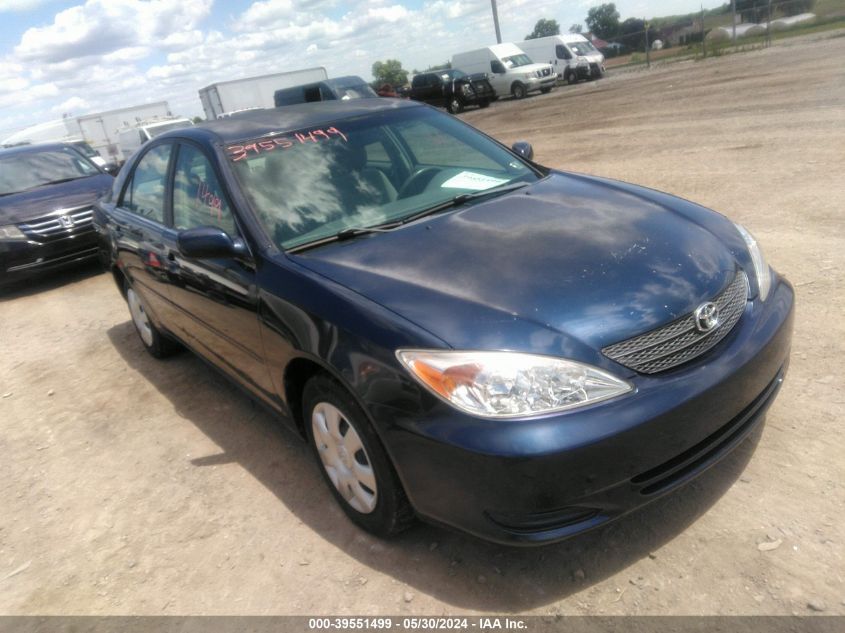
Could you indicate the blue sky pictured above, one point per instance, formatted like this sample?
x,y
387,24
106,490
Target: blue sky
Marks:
x,y
81,56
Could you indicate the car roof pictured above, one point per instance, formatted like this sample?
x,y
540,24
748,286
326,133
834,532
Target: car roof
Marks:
x,y
257,123
32,148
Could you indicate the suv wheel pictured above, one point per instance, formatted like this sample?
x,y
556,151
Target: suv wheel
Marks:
x,y
518,91
455,106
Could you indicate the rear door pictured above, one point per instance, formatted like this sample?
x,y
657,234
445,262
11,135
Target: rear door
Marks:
x,y
138,230
217,298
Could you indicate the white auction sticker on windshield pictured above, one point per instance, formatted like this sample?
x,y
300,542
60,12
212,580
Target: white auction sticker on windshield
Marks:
x,y
471,180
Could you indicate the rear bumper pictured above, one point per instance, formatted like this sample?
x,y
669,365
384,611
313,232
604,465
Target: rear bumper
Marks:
x,y
543,480
26,258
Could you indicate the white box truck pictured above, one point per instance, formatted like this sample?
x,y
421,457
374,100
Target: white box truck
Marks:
x,y
130,138
98,130
225,97
573,56
511,72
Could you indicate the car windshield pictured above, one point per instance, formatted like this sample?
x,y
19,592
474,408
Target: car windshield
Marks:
x,y
582,48
28,170
453,74
367,171
161,129
85,149
517,60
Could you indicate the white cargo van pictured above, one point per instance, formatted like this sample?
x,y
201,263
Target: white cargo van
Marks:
x,y
510,71
573,56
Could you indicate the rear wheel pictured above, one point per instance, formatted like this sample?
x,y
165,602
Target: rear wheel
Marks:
x,y
352,460
156,343
518,90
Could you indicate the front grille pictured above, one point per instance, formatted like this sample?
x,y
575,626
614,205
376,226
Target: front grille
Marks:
x,y
546,72
59,224
680,341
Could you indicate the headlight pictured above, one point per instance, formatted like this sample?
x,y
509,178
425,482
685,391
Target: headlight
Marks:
x,y
11,232
509,384
761,268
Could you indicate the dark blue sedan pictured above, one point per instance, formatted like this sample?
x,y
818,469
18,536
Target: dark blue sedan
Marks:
x,y
461,334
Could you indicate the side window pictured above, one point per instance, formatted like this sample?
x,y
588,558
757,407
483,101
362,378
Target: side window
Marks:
x,y
562,53
197,196
145,193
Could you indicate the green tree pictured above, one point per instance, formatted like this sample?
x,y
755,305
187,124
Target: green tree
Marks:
x,y
603,21
576,28
390,72
544,28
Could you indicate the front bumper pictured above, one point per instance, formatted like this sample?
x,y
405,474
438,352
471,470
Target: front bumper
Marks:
x,y
544,479
20,259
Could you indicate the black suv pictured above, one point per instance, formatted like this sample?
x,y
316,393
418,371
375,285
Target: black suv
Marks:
x,y
452,89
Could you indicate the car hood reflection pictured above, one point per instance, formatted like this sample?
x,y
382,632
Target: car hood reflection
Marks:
x,y
567,263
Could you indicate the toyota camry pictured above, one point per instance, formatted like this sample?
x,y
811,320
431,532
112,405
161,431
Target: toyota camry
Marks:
x,y
460,333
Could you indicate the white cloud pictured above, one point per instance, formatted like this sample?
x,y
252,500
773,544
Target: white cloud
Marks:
x,y
103,26
74,104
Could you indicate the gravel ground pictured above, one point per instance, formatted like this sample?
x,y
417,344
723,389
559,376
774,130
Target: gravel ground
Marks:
x,y
131,486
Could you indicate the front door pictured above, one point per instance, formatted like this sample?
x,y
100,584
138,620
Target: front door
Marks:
x,y
216,299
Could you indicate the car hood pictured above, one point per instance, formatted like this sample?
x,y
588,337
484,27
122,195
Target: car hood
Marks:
x,y
28,205
567,265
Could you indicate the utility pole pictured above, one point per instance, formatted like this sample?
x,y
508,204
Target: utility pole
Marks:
x,y
733,13
647,46
769,26
496,22
703,44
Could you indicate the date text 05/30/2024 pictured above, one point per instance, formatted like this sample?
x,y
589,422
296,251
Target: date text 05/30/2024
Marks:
x,y
417,623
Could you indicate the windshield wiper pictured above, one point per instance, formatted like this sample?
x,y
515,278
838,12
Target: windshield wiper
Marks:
x,y
355,231
461,198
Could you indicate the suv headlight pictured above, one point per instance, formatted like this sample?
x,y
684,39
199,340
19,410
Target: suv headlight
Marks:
x,y
509,384
761,268
11,232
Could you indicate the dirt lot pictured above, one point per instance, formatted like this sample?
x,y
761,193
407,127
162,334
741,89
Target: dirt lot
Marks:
x,y
131,486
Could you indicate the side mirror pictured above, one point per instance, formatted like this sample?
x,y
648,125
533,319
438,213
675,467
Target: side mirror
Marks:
x,y
209,242
111,168
524,149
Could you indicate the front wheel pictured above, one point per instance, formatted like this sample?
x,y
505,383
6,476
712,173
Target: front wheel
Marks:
x,y
545,90
571,78
352,460
454,105
518,91
483,103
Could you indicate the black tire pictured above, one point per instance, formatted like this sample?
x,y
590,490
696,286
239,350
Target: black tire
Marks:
x,y
571,78
518,90
483,103
454,105
546,90
391,512
158,345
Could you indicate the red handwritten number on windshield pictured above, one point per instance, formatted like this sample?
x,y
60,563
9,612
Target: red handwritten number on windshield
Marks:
x,y
240,152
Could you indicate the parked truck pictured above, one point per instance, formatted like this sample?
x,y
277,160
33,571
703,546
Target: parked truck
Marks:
x,y
98,130
225,97
131,137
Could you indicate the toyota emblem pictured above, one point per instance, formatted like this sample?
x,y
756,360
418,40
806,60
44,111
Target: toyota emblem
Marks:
x,y
706,317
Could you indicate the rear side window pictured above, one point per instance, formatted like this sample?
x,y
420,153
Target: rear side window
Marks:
x,y
145,193
197,196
